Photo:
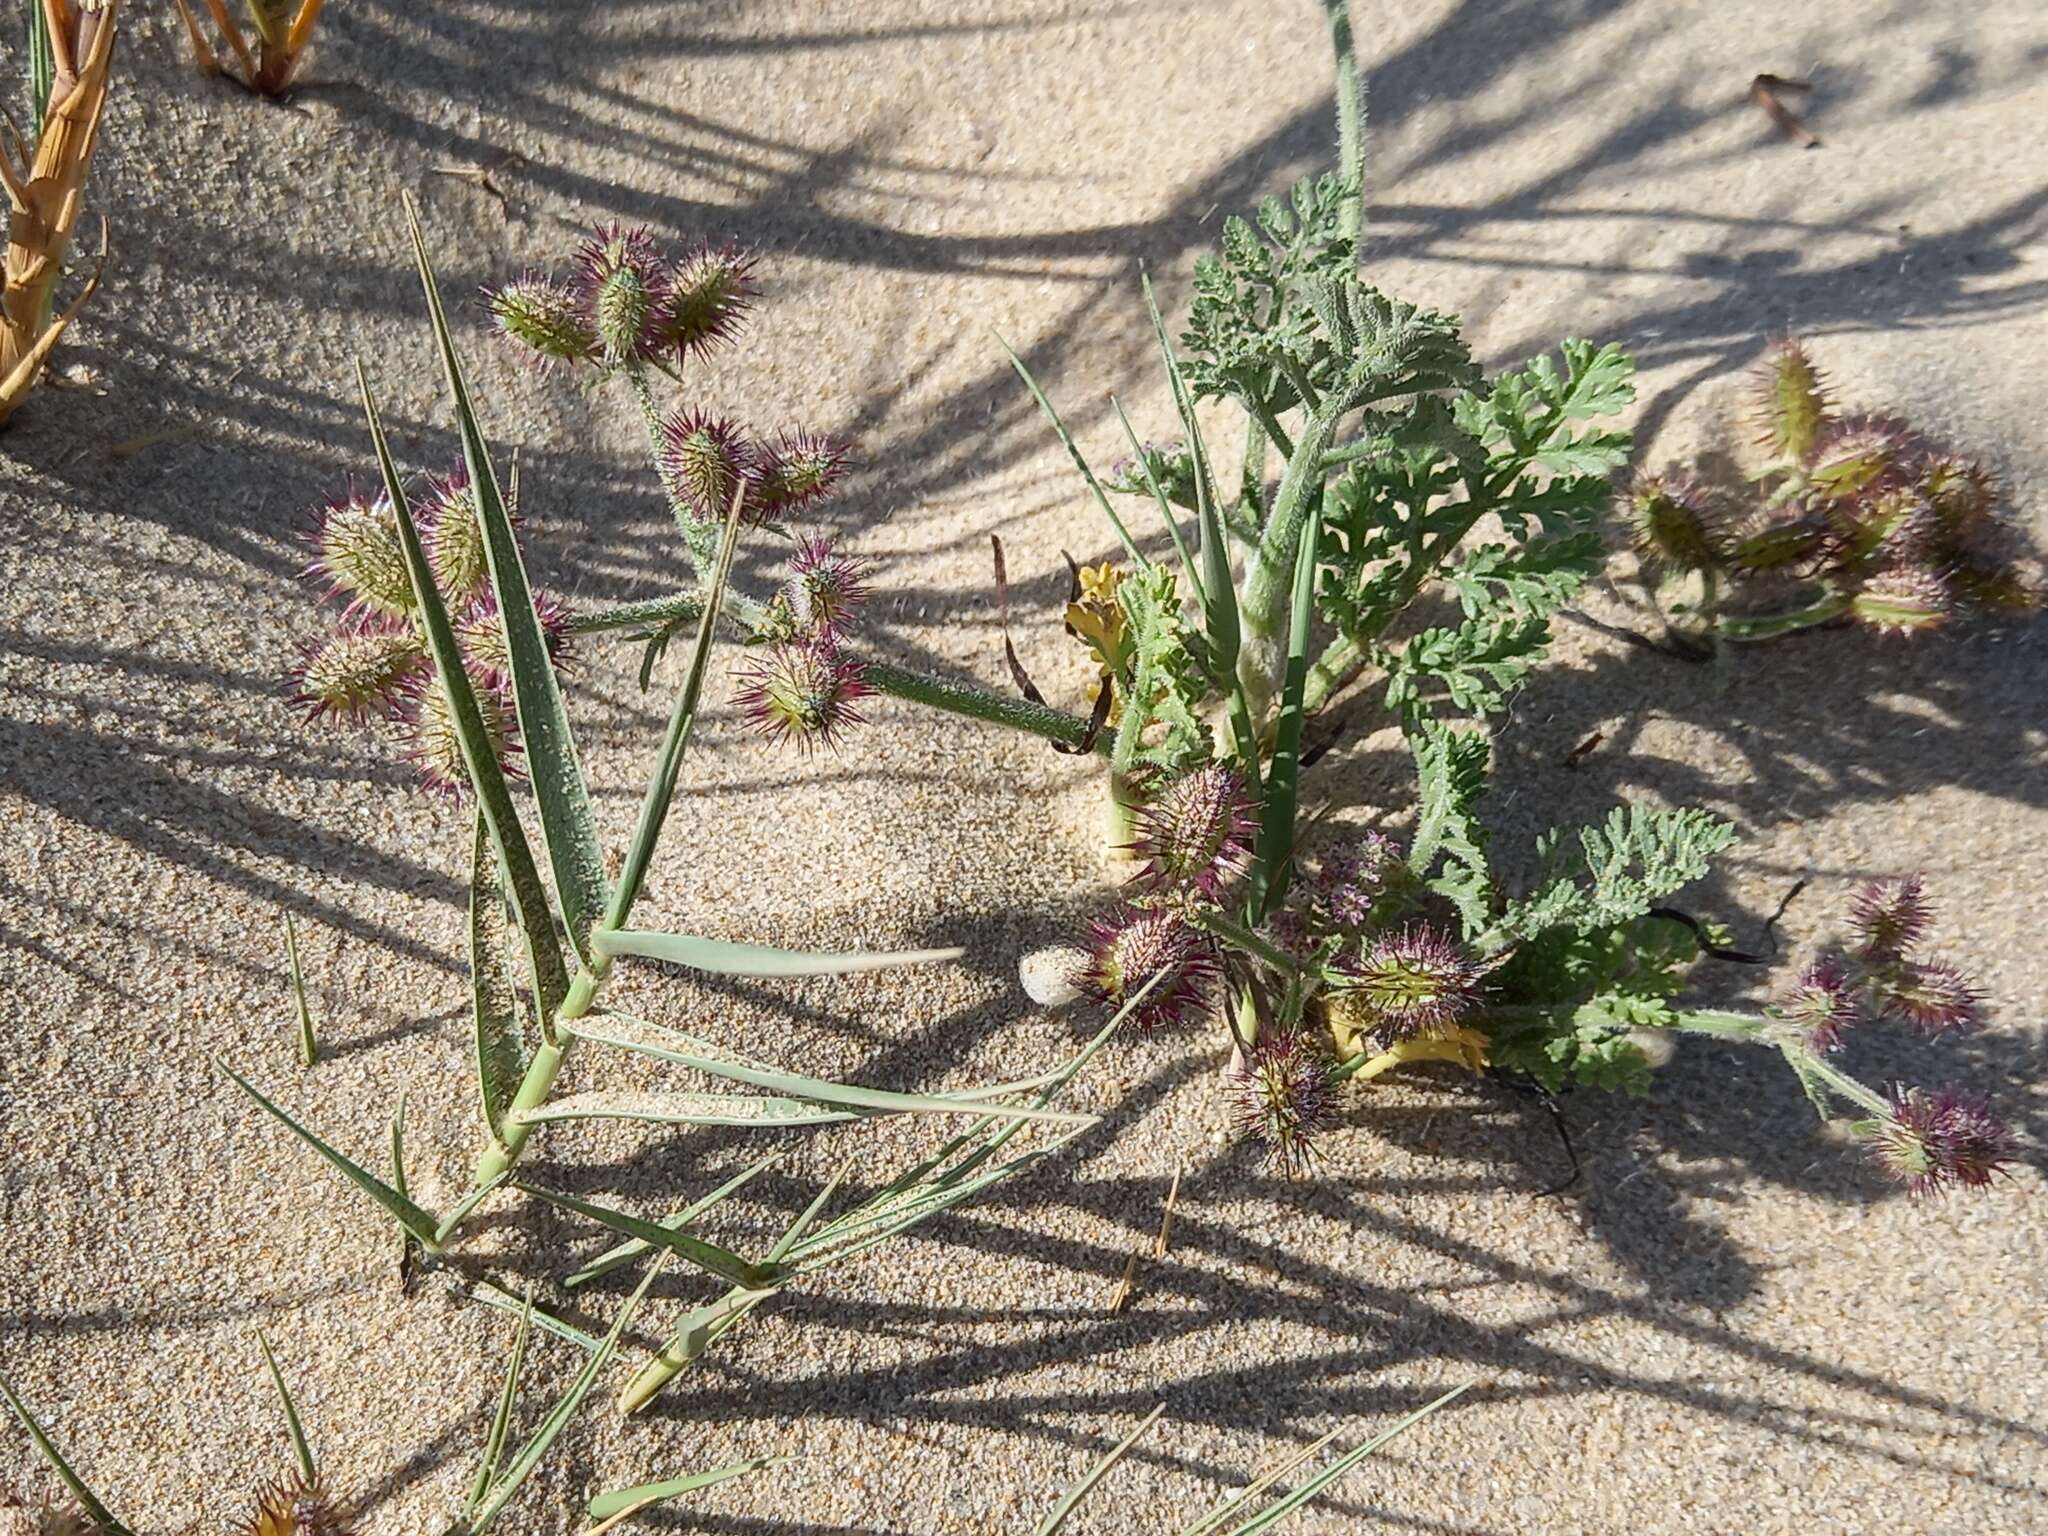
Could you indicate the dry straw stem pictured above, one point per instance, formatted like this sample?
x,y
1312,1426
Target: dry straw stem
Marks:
x,y
46,189
281,38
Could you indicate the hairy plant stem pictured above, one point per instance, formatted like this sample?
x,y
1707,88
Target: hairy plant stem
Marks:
x,y
1269,573
1824,609
1350,113
743,617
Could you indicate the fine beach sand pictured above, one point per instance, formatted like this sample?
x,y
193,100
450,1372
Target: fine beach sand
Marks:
x,y
1728,1325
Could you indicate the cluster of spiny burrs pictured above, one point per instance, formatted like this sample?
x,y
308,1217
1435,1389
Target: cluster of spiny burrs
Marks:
x,y
1930,1139
373,665
628,309
1852,516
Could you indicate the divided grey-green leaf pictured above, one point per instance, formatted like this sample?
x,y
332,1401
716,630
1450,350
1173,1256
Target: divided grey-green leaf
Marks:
x,y
568,826
747,1111
525,893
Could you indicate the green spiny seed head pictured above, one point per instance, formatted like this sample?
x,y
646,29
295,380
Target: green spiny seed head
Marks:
x,y
1852,456
1901,600
1894,524
1777,546
797,470
1963,495
710,291
357,553
1674,524
454,537
1992,587
624,288
703,460
544,316
1791,401
358,672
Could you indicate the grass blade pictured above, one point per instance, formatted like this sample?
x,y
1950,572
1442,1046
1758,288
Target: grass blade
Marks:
x,y
626,1252
309,1047
297,1430
525,893
1079,1491
564,1410
709,1257
568,826
494,1008
747,1111
102,1518
501,1421
647,1039
496,1296
1303,1493
661,787
722,958
1166,509
1282,787
409,1216
1074,452
628,1500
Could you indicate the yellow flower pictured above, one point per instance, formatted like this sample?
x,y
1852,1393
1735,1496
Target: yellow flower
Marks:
x,y
1351,1025
1097,619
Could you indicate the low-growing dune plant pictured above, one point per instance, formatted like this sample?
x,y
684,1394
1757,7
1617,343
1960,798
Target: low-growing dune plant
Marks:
x,y
440,637
302,1502
70,54
1850,518
1394,538
266,57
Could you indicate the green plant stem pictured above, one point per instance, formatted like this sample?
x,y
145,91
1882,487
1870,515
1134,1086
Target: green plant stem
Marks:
x,y
885,677
1342,660
1824,609
1269,573
1350,114
699,537
1240,937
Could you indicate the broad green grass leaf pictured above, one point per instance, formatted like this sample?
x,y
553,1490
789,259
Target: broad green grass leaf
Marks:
x,y
409,1216
568,827
648,1039
607,1505
722,958
494,1006
1074,1495
103,1520
750,1111
709,1257
525,893
300,1449
309,1047
627,1251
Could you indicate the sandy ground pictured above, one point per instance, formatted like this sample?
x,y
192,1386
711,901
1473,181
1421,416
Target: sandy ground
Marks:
x,y
1727,1326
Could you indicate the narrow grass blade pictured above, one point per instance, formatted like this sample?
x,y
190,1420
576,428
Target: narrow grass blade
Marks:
x,y
494,1007
722,958
564,1410
469,1202
409,1216
668,767
1243,1499
748,1111
1281,789
1074,452
626,1252
496,1296
297,1430
102,1519
646,1039
1074,1495
525,893
1306,1491
606,1505
501,1421
309,1047
1166,507
709,1257
568,826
